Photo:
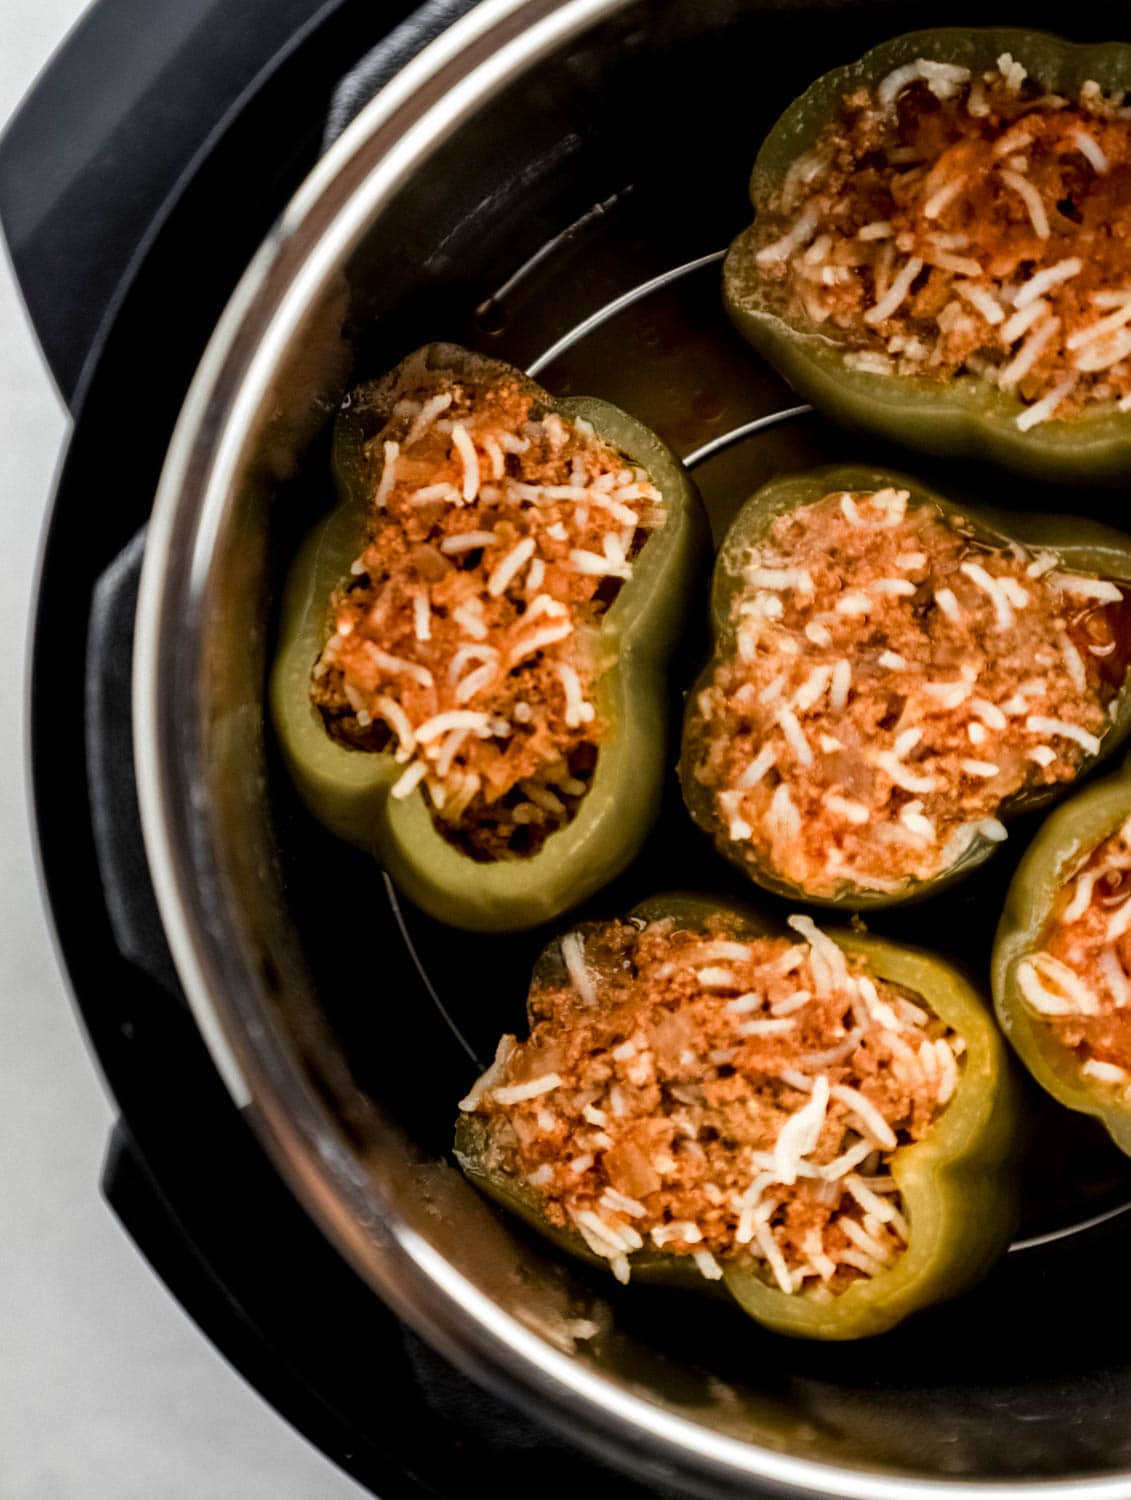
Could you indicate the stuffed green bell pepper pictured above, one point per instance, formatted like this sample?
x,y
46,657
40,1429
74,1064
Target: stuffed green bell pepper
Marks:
x,y
1062,956
470,680
819,1124
942,249
894,675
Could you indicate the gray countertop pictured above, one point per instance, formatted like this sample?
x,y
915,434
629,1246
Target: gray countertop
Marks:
x,y
107,1390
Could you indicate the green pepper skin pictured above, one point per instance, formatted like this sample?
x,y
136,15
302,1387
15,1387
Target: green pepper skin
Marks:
x,y
1083,545
958,1184
965,416
1066,838
348,790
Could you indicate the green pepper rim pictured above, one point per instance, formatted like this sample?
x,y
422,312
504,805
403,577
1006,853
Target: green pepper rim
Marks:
x,y
1065,839
1093,548
958,1184
348,790
967,416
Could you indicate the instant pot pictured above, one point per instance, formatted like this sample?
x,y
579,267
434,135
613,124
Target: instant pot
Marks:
x,y
221,212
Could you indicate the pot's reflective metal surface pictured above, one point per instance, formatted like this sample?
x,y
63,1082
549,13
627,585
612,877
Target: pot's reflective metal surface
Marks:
x,y
553,183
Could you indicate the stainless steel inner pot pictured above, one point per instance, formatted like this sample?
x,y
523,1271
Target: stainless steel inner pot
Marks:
x,y
553,181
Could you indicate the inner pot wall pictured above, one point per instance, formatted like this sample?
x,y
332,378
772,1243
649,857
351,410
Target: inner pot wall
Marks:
x,y
538,161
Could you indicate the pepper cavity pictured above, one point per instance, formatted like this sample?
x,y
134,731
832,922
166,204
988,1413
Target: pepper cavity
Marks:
x,y
499,535
890,679
1076,984
719,1098
1061,965
954,222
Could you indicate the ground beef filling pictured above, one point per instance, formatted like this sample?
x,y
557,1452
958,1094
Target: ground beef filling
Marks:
x,y
949,224
1078,983
466,639
893,681
720,1099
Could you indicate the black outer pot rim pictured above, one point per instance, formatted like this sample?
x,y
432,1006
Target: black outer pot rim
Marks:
x,y
341,198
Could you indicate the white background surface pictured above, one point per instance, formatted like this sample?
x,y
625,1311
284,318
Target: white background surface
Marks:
x,y
107,1391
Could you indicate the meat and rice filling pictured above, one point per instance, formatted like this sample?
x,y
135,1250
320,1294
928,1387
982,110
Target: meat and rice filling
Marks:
x,y
467,638
720,1099
949,223
896,680
1078,984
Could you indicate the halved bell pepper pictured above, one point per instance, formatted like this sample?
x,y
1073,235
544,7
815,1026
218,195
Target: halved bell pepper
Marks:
x,y
1083,546
348,789
967,415
958,1183
1065,841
